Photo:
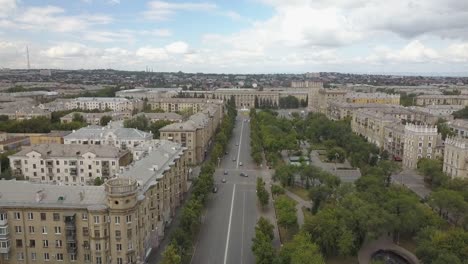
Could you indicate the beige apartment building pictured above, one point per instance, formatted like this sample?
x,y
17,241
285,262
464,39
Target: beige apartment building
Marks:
x,y
68,164
420,142
95,118
456,157
442,100
196,133
103,103
193,105
122,221
372,98
371,125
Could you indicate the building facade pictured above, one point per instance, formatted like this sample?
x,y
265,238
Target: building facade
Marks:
x,y
68,164
420,142
103,103
456,157
95,118
423,100
122,221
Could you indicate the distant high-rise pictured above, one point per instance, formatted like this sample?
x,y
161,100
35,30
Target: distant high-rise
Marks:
x,y
27,57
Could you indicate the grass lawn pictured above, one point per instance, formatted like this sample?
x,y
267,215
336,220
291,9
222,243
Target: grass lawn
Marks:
x,y
342,260
299,191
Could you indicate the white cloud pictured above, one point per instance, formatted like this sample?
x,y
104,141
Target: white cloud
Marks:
x,y
71,50
178,47
7,7
233,15
150,53
160,10
160,32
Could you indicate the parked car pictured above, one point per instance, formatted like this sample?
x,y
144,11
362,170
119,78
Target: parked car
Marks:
x,y
234,159
244,174
240,163
225,172
223,180
215,189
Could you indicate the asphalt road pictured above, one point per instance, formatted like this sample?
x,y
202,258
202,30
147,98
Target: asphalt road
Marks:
x,y
229,222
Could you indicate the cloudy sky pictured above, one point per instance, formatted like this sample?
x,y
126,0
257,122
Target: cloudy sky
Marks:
x,y
238,36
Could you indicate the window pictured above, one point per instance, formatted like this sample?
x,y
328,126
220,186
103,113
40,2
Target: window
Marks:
x,y
118,233
98,260
58,243
130,245
119,260
56,217
33,256
4,230
84,216
85,231
73,257
17,216
43,217
98,246
3,216
57,162
59,256
119,247
44,230
58,230
87,257
45,243
129,219
30,216
97,233
96,219
32,243
19,243
31,229
86,244
46,257
129,233
117,220
20,256
18,229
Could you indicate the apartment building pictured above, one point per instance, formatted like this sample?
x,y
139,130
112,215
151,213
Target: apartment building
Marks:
x,y
14,143
95,118
120,137
103,103
149,93
192,105
372,98
20,111
394,140
420,142
196,133
427,99
122,221
456,157
153,117
371,125
459,127
68,164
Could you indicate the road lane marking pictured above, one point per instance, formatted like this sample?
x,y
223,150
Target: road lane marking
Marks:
x,y
243,221
240,144
229,225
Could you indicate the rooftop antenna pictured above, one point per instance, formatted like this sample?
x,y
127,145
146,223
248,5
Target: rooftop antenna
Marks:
x,y
27,57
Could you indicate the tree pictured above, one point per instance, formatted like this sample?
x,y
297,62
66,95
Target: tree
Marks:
x,y
3,118
444,129
78,118
262,248
262,193
264,226
449,202
105,120
98,181
171,256
300,250
286,212
461,114
336,154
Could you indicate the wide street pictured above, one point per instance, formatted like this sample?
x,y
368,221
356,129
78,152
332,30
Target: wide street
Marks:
x,y
228,224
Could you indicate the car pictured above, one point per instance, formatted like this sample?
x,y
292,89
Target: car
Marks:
x,y
215,189
223,180
225,172
240,163
237,144
244,174
226,152
234,159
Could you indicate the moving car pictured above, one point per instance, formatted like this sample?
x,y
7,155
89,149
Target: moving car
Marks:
x,y
234,159
215,189
223,180
237,144
244,174
240,163
225,172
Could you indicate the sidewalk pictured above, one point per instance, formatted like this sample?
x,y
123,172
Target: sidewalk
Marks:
x,y
156,254
300,203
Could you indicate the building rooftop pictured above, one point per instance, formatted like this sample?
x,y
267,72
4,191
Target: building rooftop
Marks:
x,y
162,116
99,132
102,99
73,150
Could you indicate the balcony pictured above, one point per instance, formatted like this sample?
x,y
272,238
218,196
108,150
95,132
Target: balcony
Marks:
x,y
71,248
5,246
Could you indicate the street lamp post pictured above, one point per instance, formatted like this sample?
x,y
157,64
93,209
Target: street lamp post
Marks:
x,y
337,156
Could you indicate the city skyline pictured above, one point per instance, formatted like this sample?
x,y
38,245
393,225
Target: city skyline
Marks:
x,y
258,36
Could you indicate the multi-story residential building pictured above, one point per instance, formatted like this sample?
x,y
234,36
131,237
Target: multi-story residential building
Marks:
x,y
149,93
153,117
339,110
68,164
420,142
459,127
122,221
54,137
430,114
371,125
95,118
14,143
442,100
103,103
372,98
192,105
22,111
325,96
394,140
456,157
120,137
196,133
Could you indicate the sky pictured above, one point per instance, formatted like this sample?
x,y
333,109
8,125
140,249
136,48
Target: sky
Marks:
x,y
237,36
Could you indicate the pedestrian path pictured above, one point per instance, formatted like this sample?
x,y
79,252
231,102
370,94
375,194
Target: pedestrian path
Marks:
x,y
269,211
300,203
384,243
